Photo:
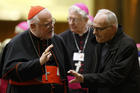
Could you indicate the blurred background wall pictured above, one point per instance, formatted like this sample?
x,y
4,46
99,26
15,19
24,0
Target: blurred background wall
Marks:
x,y
127,11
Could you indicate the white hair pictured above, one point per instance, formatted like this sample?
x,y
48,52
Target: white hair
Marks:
x,y
78,10
35,19
111,17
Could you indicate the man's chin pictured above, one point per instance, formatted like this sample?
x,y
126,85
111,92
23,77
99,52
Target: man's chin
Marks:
x,y
72,29
50,36
100,41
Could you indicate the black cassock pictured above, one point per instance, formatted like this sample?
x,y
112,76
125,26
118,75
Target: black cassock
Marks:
x,y
88,65
21,64
89,51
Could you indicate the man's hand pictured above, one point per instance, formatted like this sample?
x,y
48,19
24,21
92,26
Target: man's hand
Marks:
x,y
78,77
46,55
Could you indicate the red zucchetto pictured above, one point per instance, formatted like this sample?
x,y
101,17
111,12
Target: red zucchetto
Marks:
x,y
34,10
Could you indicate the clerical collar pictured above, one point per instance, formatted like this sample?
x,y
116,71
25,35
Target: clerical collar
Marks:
x,y
87,36
36,38
82,35
86,31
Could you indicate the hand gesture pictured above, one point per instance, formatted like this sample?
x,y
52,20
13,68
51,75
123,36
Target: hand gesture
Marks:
x,y
46,55
78,77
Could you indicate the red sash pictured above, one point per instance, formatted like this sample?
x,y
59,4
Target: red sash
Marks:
x,y
51,77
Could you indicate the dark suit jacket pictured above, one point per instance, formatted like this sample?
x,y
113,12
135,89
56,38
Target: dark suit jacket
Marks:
x,y
120,71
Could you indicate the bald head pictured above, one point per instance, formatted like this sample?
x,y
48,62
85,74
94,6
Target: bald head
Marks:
x,y
108,17
101,19
105,25
44,15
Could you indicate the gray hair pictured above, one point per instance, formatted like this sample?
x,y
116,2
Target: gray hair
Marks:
x,y
78,10
111,17
35,19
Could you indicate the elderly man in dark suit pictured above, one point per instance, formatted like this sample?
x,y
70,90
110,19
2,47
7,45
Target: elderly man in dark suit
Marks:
x,y
117,67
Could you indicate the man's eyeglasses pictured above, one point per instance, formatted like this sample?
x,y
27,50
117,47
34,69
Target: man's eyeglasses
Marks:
x,y
101,28
48,25
75,20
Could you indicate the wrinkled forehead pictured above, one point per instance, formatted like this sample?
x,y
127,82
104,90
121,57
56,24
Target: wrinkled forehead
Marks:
x,y
74,14
45,16
100,20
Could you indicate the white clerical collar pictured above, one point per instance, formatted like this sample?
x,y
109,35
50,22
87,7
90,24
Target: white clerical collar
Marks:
x,y
83,33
